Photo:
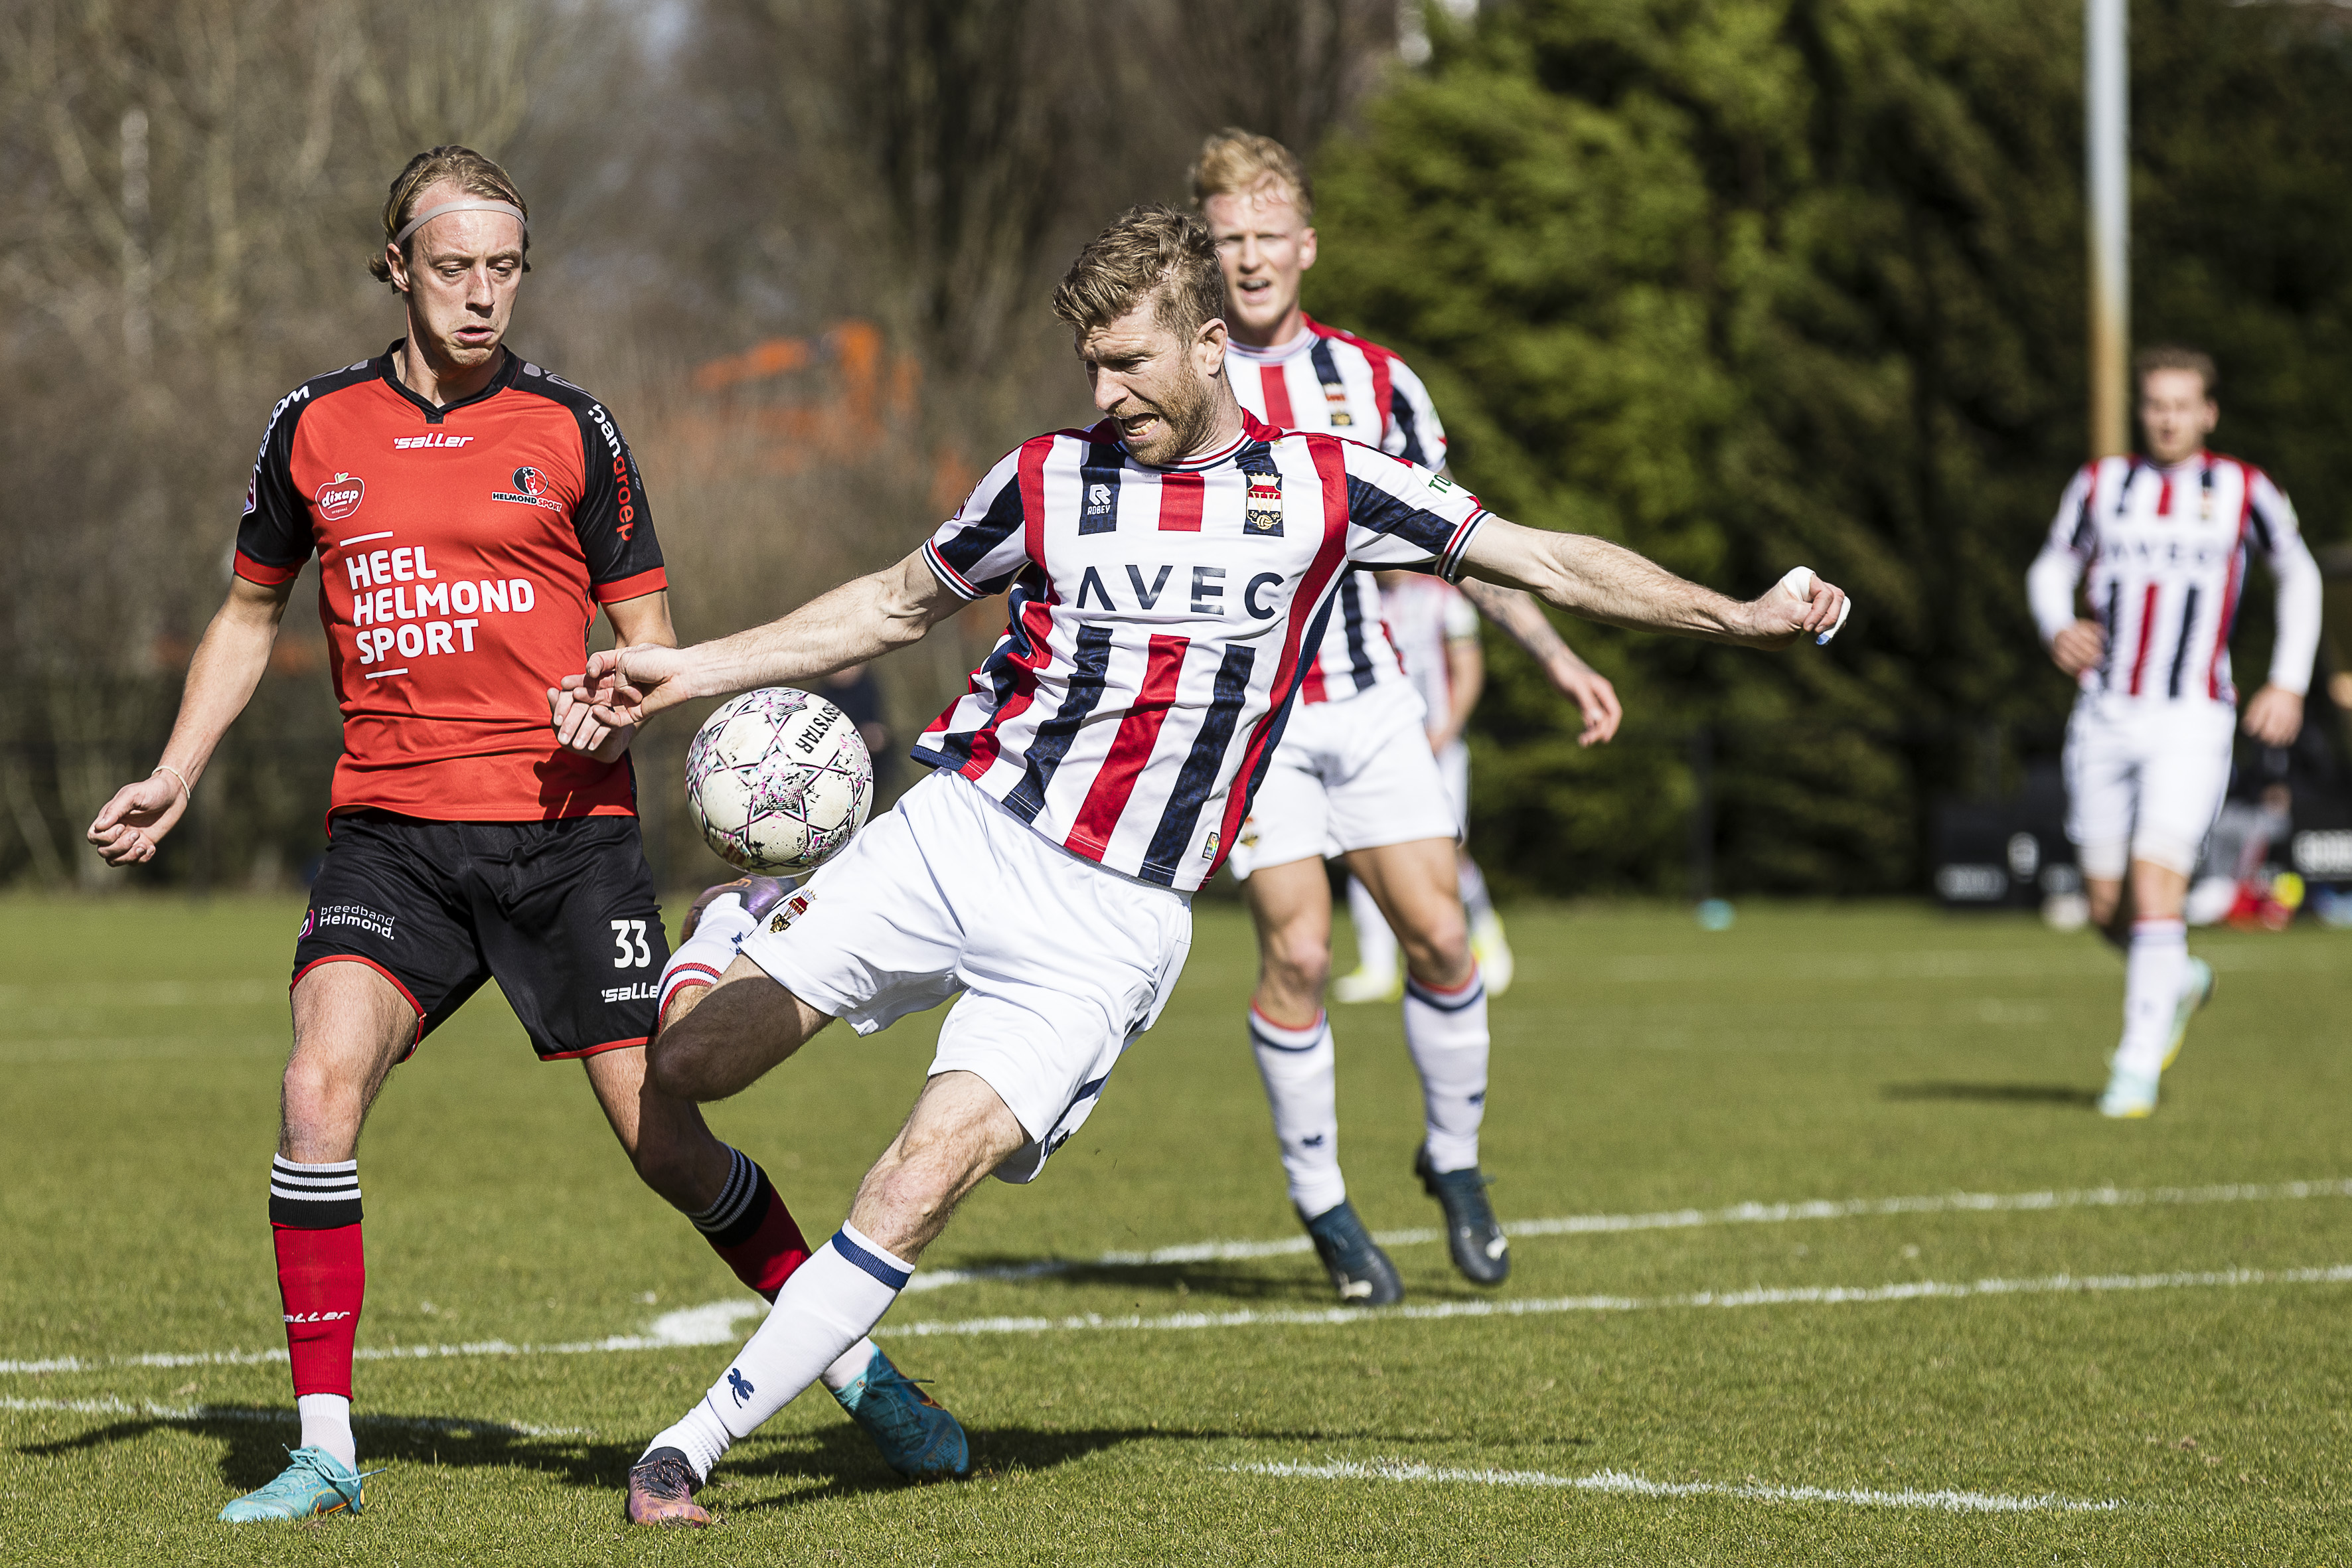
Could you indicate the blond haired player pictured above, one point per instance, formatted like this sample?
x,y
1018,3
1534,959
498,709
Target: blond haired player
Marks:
x,y
1355,778
2158,544
471,513
1163,571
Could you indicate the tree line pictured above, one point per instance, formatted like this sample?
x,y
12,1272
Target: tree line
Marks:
x,y
1737,282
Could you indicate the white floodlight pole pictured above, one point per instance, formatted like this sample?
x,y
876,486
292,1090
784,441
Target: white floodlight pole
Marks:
x,y
2106,105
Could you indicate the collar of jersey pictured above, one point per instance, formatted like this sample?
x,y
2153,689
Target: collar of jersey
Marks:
x,y
1225,453
1280,354
388,367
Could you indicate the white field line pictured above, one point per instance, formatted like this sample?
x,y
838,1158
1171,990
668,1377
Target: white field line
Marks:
x,y
714,1324
1756,1295
149,1410
1622,1484
1683,1219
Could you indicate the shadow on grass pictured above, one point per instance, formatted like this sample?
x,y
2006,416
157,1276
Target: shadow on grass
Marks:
x,y
1995,1093
838,1460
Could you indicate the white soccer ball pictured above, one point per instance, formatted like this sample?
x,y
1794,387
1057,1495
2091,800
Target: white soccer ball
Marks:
x,y
778,780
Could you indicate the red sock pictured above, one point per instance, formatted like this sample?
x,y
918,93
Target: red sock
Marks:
x,y
751,1229
314,1218
321,1279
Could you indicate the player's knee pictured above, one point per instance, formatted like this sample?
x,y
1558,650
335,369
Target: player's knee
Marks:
x,y
1437,944
318,1094
677,1062
1299,961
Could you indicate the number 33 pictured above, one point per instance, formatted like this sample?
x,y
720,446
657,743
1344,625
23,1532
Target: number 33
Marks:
x,y
629,936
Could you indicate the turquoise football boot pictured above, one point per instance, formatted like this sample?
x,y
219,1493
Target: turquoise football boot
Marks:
x,y
313,1485
917,1436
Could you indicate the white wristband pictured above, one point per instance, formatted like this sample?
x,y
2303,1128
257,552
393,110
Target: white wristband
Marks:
x,y
168,768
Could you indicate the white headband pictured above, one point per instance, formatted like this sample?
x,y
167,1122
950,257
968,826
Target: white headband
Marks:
x,y
429,214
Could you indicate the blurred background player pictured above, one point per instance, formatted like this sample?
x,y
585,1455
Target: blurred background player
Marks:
x,y
1435,628
1353,776
471,512
2163,538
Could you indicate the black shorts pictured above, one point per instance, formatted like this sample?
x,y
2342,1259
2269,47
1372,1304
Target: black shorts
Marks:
x,y
562,913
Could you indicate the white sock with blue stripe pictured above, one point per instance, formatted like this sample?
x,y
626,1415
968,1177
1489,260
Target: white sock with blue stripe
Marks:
x,y
829,1304
1301,1069
1446,1032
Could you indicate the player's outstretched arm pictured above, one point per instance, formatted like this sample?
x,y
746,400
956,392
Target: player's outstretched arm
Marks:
x,y
227,666
1514,611
643,620
861,620
1605,582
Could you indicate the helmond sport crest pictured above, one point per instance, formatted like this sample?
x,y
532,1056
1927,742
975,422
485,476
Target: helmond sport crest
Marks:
x,y
778,780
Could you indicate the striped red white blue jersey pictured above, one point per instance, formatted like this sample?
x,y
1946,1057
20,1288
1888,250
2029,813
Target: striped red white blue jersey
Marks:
x,y
2162,555
1158,624
1422,615
1325,379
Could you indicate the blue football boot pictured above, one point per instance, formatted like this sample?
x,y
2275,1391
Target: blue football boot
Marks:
x,y
312,1485
917,1436
1359,1269
1480,1250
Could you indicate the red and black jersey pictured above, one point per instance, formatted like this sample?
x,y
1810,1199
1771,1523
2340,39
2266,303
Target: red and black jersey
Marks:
x,y
463,551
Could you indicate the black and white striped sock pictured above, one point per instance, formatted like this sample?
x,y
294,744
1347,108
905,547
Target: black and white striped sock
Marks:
x,y
734,1204
314,1197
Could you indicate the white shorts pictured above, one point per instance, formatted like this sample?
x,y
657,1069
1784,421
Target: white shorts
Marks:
x,y
2145,779
1061,962
1353,774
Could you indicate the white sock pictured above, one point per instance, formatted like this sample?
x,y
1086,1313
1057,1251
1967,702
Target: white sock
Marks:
x,y
1472,882
1376,948
2153,972
703,957
327,1423
829,1304
1446,1032
1301,1069
849,1366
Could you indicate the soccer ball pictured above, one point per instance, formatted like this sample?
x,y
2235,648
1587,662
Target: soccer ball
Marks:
x,y
778,780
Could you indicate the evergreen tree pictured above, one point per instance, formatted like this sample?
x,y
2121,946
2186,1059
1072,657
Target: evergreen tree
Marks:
x,y
1745,283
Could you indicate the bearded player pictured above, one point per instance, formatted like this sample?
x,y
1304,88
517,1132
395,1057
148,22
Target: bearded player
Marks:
x,y
1170,571
2162,540
1354,777
471,513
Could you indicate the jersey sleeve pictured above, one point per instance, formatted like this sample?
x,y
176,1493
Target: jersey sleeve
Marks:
x,y
614,525
2050,582
1402,515
1408,424
274,537
2271,521
980,550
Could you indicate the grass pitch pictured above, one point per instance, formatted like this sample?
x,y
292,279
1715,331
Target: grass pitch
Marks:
x,y
1690,1381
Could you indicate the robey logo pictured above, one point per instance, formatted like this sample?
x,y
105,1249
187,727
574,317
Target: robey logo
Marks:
x,y
340,496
